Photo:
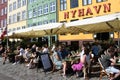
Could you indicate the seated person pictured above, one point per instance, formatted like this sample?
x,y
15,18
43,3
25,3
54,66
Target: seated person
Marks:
x,y
19,56
27,55
33,60
56,59
109,61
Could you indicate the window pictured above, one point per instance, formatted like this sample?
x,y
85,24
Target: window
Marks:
x,y
101,0
73,3
87,2
52,7
46,9
1,23
63,4
23,27
14,29
18,28
2,12
10,7
45,22
23,15
3,1
30,1
5,10
40,11
34,12
14,18
18,3
10,19
34,24
30,14
34,0
52,21
18,16
23,2
14,5
9,30
4,23
40,23
29,25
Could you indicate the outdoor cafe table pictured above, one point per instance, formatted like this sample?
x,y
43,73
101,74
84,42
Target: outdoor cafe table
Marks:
x,y
72,59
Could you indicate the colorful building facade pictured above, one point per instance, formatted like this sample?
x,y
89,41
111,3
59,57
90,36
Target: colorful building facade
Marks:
x,y
42,12
17,15
72,10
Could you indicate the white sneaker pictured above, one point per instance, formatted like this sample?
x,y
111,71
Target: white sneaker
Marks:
x,y
28,65
14,63
18,62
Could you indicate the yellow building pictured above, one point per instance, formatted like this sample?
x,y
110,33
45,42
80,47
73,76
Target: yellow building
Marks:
x,y
16,15
72,10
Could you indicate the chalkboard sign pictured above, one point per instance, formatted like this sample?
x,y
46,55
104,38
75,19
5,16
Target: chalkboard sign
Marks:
x,y
46,61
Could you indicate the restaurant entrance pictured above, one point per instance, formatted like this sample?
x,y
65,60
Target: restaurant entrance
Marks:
x,y
103,36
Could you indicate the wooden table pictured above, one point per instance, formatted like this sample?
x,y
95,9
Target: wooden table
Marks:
x,y
70,59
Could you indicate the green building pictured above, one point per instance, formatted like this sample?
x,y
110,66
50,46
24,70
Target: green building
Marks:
x,y
42,12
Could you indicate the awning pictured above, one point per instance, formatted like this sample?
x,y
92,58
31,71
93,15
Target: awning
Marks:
x,y
41,30
106,23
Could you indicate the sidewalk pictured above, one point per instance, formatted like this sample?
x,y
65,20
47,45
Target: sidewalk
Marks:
x,y
21,72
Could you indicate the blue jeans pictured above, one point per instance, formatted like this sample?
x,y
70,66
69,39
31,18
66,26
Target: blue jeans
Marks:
x,y
112,69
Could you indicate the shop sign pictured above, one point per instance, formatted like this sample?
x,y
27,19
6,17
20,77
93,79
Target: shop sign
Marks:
x,y
88,11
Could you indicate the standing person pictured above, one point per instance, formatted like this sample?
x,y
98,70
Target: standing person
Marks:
x,y
84,60
4,53
95,51
109,61
2,49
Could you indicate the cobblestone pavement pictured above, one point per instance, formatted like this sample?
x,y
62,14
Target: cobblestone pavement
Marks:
x,y
4,77
21,72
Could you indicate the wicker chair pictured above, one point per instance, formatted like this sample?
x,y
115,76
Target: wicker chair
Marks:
x,y
102,70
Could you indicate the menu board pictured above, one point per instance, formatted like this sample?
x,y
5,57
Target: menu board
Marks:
x,y
46,61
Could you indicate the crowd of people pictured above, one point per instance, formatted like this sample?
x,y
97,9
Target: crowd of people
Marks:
x,y
88,53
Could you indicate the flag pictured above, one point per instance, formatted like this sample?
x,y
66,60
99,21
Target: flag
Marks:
x,y
4,32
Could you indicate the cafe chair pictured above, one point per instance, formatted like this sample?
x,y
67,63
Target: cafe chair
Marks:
x,y
102,70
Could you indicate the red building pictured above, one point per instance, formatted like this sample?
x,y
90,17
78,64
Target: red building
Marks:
x,y
3,18
3,14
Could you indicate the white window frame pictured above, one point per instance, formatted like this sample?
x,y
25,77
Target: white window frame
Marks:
x,y
52,6
52,21
34,12
46,9
10,7
18,17
10,19
23,15
15,17
87,2
40,10
23,2
14,5
4,22
5,10
1,23
100,0
18,3
2,12
30,12
63,5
